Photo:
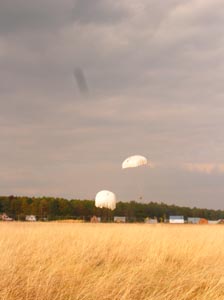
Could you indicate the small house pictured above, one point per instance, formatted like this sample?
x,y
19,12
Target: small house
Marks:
x,y
151,221
193,220
5,217
95,219
119,219
31,218
214,222
203,221
176,219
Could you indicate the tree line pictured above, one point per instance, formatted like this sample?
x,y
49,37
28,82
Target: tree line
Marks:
x,y
49,208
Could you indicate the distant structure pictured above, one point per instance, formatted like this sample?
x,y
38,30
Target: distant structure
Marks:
x,y
214,222
151,221
95,219
4,217
176,219
31,218
219,221
119,219
203,221
193,220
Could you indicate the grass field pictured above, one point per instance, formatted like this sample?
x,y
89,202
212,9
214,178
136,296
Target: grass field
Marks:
x,y
56,261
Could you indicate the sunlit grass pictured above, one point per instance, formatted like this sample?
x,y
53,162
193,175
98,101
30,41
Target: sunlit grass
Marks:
x,y
56,261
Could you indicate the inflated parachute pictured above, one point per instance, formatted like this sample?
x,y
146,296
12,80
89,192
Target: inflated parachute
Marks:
x,y
134,161
105,199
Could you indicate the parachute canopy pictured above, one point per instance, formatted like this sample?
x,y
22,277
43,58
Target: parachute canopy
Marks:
x,y
134,161
105,199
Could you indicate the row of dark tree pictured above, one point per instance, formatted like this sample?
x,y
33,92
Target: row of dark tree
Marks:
x,y
49,208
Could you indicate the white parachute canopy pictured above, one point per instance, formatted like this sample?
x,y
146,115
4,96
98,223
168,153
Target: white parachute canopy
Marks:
x,y
134,161
105,199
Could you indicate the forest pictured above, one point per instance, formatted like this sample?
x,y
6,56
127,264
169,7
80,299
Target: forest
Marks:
x,y
50,208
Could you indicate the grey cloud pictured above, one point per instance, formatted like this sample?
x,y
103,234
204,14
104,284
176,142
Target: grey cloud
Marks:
x,y
98,11
23,15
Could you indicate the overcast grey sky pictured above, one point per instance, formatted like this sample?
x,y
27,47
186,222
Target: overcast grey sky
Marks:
x,y
152,72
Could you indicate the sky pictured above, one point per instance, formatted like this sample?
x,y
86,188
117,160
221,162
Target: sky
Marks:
x,y
84,84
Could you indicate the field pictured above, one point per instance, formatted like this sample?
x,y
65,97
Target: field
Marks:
x,y
56,261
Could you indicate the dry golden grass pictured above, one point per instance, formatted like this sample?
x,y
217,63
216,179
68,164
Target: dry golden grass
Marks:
x,y
57,261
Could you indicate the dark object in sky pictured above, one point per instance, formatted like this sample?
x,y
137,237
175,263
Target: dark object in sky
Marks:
x,y
81,80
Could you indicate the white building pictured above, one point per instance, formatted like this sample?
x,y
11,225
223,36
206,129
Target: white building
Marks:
x,y
31,218
213,222
176,220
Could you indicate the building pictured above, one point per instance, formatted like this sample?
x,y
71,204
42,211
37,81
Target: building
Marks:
x,y
95,219
203,221
151,221
219,221
119,219
176,219
213,222
4,217
193,220
31,218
